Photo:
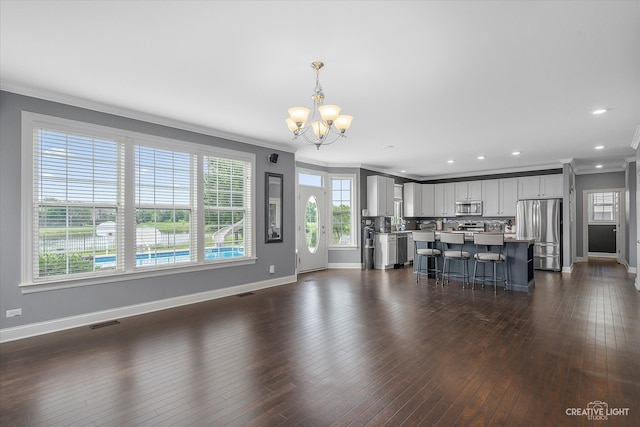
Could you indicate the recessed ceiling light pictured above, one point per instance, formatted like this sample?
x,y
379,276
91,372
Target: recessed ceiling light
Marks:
x,y
515,153
598,147
598,166
480,157
449,161
403,171
600,111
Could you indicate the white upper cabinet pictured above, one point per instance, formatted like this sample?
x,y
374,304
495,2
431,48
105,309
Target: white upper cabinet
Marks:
x,y
419,200
491,201
412,200
540,187
470,190
380,195
428,200
445,201
508,196
552,185
500,197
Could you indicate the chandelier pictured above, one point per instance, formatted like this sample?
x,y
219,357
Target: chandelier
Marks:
x,y
326,122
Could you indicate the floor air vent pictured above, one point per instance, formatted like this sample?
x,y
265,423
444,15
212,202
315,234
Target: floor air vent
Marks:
x,y
245,294
103,324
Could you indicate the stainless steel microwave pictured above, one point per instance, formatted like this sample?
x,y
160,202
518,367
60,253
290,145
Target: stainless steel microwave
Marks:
x,y
469,207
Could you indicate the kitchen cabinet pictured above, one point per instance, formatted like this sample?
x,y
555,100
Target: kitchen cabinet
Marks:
x,y
410,247
412,200
444,199
551,185
500,197
380,195
469,190
540,187
419,200
428,200
385,250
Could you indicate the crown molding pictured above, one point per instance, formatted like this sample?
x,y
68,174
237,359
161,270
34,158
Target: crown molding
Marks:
x,y
492,172
590,171
137,115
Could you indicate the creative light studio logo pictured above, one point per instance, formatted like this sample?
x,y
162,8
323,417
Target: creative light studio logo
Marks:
x,y
597,411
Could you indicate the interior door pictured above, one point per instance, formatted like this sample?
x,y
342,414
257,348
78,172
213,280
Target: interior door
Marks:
x,y
602,222
312,235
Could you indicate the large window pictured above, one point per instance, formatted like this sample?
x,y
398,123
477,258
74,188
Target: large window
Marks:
x,y
164,179
227,204
101,202
76,202
343,211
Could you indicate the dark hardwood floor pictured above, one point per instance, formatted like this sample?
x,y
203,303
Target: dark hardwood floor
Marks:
x,y
346,348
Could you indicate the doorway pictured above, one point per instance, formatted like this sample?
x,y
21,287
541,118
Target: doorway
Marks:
x,y
603,228
311,224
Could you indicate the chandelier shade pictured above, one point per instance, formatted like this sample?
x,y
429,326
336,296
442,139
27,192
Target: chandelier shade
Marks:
x,y
325,121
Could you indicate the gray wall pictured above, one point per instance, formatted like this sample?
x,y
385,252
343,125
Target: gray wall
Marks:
x,y
50,305
568,219
631,214
596,181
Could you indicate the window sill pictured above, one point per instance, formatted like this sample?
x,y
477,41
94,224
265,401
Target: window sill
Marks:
x,y
31,287
343,248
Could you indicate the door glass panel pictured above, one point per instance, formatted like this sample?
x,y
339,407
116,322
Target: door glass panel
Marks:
x,y
311,224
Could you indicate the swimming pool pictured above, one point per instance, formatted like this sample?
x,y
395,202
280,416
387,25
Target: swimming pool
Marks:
x,y
170,257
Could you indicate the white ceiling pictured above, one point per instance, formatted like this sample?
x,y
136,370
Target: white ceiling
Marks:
x,y
436,80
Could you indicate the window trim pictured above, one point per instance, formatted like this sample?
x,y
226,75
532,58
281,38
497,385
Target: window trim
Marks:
x,y
354,209
32,120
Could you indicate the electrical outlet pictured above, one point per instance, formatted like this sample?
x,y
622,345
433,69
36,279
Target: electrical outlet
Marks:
x,y
272,269
14,312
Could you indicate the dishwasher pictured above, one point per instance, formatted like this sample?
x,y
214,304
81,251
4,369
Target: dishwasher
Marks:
x,y
401,249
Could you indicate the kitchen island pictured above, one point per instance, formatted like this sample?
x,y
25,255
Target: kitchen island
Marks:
x,y
519,261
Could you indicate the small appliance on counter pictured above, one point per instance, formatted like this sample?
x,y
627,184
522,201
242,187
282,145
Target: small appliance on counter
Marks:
x,y
382,224
508,228
429,225
495,226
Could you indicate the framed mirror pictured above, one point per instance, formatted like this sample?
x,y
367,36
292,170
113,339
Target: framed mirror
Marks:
x,y
273,208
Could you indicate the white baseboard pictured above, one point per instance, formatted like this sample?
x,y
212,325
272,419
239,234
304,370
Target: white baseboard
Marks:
x,y
40,328
582,259
568,269
630,270
351,265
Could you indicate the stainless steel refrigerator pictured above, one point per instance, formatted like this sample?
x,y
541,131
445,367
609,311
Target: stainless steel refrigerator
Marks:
x,y
541,220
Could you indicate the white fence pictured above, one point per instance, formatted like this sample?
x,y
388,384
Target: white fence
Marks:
x,y
90,243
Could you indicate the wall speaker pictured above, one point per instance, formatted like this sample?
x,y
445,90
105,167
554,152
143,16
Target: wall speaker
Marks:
x,y
273,158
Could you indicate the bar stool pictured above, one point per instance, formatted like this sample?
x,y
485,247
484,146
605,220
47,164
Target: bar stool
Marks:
x,y
493,244
453,244
428,252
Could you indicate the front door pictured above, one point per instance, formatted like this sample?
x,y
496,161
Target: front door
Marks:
x,y
311,227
